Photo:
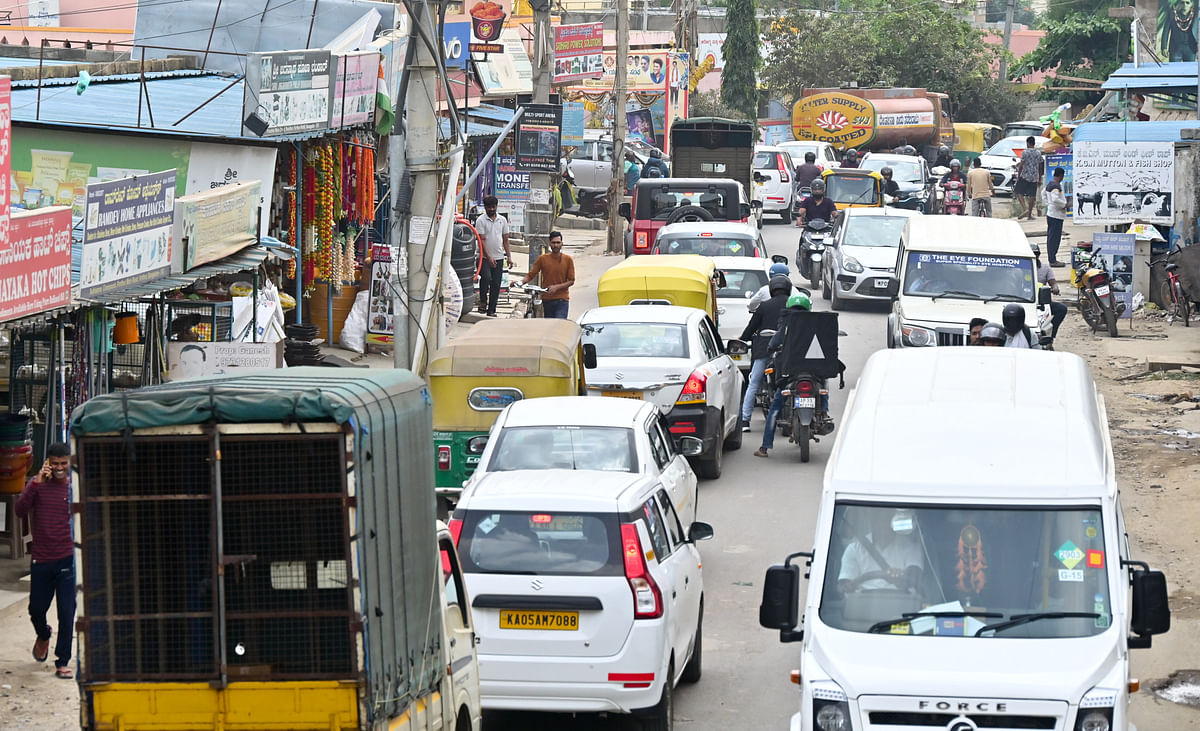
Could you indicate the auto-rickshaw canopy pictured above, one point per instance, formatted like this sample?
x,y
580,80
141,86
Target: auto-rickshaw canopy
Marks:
x,y
853,187
682,279
972,138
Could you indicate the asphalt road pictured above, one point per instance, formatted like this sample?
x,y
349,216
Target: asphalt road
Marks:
x,y
761,510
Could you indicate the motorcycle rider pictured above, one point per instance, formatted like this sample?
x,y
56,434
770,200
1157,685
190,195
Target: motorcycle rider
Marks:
x,y
764,292
794,302
765,317
955,173
850,159
890,187
655,166
1017,333
817,206
974,329
943,157
992,335
807,172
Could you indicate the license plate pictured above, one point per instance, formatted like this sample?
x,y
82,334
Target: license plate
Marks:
x,y
533,619
623,394
804,402
881,284
1102,291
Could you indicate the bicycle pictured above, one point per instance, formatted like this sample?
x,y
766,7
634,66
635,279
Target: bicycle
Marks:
x,y
1171,293
532,305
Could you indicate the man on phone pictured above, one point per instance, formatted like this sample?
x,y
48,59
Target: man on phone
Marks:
x,y
52,565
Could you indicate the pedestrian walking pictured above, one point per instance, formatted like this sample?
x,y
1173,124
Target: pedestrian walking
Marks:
x,y
1056,214
52,564
980,190
558,274
493,228
1028,180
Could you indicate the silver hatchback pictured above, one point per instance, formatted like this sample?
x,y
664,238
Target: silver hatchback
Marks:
x,y
860,262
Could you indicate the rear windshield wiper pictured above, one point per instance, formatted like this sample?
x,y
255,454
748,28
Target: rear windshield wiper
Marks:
x,y
907,616
1007,298
1019,619
956,292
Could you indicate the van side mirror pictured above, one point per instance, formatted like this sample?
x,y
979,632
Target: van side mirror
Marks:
x,y
759,177
589,355
1044,296
700,532
892,289
690,446
744,209
780,601
625,211
1151,613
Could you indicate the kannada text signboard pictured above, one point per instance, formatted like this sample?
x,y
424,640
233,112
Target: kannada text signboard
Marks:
x,y
35,267
290,90
578,52
1119,182
215,224
355,77
5,158
127,233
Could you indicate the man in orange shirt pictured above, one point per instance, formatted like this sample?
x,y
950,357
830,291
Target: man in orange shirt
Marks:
x,y
558,274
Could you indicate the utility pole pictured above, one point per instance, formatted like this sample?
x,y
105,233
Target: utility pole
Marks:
x,y
616,186
1009,9
538,215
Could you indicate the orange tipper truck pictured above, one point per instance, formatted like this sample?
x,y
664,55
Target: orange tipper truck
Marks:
x,y
875,119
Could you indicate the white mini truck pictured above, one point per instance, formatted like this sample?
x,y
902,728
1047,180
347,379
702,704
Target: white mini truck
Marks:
x,y
971,567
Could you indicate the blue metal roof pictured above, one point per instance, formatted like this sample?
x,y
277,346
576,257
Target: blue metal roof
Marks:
x,y
492,112
72,80
1176,74
474,129
1132,131
246,259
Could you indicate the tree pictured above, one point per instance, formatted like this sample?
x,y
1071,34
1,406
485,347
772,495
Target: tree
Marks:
x,y
1089,45
739,79
709,104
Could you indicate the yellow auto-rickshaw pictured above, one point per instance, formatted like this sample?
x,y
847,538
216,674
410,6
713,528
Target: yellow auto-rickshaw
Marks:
x,y
688,280
971,139
495,363
853,187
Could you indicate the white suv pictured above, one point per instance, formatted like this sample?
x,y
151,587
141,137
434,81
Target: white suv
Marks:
x,y
587,599
773,171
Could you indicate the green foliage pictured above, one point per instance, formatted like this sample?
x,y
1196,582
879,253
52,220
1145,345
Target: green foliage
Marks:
x,y
1089,45
739,79
709,104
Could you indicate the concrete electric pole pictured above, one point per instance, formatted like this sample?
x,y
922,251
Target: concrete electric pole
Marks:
x,y
620,94
1009,9
539,212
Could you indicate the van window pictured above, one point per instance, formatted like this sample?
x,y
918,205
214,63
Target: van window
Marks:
x,y
888,560
540,543
969,276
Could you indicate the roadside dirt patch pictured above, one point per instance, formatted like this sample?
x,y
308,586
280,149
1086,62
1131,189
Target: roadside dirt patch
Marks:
x,y
1182,687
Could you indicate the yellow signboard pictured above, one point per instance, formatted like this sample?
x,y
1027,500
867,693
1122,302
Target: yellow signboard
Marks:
x,y
839,119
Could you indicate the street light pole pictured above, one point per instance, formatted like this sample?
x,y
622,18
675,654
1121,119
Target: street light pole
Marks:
x,y
616,186
539,214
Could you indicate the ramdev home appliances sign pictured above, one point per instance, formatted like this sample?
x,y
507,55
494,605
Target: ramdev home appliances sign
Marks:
x,y
35,264
839,119
127,233
290,90
217,223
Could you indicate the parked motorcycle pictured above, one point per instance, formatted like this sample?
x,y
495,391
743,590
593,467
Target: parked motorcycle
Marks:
x,y
954,200
1096,301
812,247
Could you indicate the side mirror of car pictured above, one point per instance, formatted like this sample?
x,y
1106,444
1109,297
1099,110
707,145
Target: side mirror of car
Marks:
x,y
1044,296
690,446
756,204
1046,341
1151,614
700,532
736,347
625,211
589,355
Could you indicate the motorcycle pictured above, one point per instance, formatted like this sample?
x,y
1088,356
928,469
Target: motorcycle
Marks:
x,y
954,200
1045,319
812,248
1096,301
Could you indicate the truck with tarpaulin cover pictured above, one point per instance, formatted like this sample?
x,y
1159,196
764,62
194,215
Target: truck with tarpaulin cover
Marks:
x,y
875,118
261,552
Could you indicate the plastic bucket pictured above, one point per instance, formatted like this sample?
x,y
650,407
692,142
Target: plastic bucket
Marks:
x,y
14,428
463,247
125,331
14,467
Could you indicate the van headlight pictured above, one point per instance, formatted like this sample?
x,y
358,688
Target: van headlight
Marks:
x,y
831,711
917,337
1096,710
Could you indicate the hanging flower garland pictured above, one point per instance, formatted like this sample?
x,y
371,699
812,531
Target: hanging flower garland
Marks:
x,y
292,163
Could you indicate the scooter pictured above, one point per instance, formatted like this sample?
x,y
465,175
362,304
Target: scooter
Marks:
x,y
1096,301
954,202
812,250
801,194
1045,319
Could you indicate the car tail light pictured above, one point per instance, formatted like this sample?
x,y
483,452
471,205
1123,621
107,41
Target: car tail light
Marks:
x,y
647,600
783,174
694,391
804,388
1098,280
443,457
641,240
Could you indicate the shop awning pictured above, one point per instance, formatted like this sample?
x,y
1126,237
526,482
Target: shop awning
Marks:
x,y
1177,74
1132,131
246,259
492,113
474,129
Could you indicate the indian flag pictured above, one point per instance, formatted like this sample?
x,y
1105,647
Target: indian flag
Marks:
x,y
385,115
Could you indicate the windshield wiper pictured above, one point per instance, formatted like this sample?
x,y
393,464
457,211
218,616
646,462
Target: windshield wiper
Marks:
x,y
1006,298
1019,619
910,615
957,292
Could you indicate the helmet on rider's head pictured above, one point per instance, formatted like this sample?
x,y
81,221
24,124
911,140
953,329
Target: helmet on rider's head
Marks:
x,y
1037,250
778,268
779,284
910,150
852,153
799,301
956,163
810,157
1013,318
886,172
992,333
817,186
943,150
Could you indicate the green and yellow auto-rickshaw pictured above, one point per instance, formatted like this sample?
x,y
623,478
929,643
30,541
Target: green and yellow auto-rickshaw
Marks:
x,y
495,363
853,187
687,280
972,138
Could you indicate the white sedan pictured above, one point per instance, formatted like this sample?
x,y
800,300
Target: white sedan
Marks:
x,y
673,357
593,435
1001,160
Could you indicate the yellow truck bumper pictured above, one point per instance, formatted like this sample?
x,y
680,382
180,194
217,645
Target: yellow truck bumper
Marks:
x,y
300,705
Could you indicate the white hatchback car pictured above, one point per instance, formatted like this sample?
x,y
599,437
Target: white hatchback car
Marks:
x,y
592,435
860,264
673,357
773,171
1001,160
587,592
743,277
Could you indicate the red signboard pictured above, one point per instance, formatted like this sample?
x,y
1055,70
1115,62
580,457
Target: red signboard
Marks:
x,y
35,267
578,52
5,157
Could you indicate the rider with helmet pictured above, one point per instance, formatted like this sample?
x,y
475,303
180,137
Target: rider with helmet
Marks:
x,y
800,302
763,324
807,172
816,205
943,157
1017,333
992,335
890,187
763,294
955,173
850,159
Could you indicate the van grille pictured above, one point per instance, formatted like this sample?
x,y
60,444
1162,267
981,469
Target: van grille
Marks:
x,y
942,720
946,336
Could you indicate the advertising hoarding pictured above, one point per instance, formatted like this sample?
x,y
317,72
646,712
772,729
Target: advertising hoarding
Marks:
x,y
1118,182
290,90
215,224
127,233
578,52
35,267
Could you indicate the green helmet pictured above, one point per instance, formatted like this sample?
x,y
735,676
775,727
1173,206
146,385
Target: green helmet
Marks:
x,y
800,300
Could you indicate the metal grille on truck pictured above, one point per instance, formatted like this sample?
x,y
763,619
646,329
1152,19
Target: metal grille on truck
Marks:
x,y
152,574
885,719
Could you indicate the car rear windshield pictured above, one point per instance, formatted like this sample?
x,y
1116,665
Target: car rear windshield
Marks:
x,y
874,231
660,201
607,448
902,170
765,160
851,189
742,283
541,543
637,340
710,245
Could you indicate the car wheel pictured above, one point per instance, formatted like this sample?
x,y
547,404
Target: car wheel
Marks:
x,y
786,214
692,671
659,718
733,442
826,287
710,467
836,303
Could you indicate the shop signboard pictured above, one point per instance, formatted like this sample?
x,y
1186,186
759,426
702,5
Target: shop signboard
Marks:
x,y
511,190
355,77
380,297
290,90
455,39
487,25
538,133
127,233
215,224
509,72
5,158
192,360
1116,255
572,124
211,166
35,267
578,52
1118,182
1063,160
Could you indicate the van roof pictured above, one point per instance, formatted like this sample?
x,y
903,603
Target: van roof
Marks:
x,y
966,235
589,490
1002,423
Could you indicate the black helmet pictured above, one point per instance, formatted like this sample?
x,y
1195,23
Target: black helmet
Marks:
x,y
992,333
817,185
810,157
852,153
886,172
943,150
779,284
1013,318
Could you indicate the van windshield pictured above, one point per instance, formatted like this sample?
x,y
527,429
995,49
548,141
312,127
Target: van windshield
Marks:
x,y
969,276
1019,571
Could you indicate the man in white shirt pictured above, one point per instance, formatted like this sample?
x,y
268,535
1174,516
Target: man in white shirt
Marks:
x,y
493,229
1056,214
861,568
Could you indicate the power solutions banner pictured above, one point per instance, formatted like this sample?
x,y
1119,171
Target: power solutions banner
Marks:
x,y
539,132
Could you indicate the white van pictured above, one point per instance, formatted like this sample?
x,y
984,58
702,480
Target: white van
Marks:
x,y
969,570
955,268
